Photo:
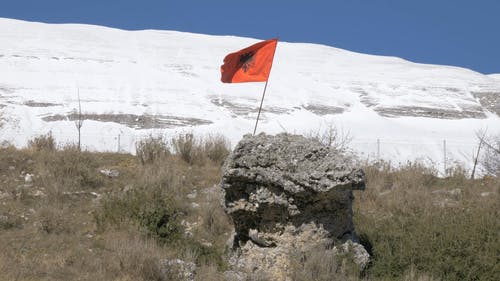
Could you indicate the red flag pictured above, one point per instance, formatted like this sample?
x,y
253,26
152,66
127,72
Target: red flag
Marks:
x,y
252,64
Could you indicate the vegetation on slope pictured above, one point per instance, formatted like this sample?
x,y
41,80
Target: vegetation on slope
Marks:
x,y
67,215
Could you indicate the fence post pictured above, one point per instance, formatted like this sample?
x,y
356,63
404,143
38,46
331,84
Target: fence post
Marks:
x,y
444,157
118,143
378,149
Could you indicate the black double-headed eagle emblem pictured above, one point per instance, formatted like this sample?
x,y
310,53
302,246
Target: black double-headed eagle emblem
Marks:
x,y
247,60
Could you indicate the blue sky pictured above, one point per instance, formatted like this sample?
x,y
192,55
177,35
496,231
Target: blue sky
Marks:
x,y
453,32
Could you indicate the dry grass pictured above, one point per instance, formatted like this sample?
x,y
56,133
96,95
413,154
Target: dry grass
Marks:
x,y
70,222
322,265
421,226
192,150
43,142
151,149
187,147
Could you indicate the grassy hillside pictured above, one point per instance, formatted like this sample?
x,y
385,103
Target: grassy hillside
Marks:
x,y
70,215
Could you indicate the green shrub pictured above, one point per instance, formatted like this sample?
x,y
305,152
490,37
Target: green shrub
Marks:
x,y
159,220
154,212
205,255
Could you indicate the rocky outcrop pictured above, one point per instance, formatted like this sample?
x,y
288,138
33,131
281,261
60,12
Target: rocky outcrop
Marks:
x,y
285,194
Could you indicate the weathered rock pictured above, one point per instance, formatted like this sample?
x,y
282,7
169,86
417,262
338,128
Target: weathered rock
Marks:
x,y
28,178
177,269
110,173
359,254
287,193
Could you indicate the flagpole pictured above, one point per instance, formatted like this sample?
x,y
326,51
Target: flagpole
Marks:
x,y
264,93
260,108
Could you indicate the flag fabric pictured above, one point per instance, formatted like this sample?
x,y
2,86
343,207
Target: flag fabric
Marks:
x,y
252,64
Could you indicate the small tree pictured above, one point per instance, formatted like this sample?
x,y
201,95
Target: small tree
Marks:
x,y
491,155
79,121
481,136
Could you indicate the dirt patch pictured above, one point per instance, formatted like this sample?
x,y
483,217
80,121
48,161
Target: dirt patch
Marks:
x,y
134,121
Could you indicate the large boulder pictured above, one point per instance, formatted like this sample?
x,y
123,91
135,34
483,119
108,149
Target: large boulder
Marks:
x,y
287,193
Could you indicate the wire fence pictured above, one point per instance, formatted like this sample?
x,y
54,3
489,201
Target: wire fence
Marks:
x,y
443,154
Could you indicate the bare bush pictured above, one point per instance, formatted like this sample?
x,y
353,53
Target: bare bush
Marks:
x,y
151,149
491,155
216,148
187,147
331,136
43,142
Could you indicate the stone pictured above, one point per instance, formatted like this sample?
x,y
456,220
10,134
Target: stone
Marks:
x,y
28,178
192,195
359,254
110,173
177,269
287,193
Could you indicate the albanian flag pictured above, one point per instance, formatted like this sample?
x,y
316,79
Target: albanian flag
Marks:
x,y
252,64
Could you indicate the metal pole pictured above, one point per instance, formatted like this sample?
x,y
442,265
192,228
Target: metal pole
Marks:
x,y
378,149
260,108
444,149
265,87
481,140
118,143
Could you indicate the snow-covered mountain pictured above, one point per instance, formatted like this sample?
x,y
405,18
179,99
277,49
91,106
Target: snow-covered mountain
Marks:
x,y
135,83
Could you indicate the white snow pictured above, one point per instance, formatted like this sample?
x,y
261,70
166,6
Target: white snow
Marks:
x,y
177,74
